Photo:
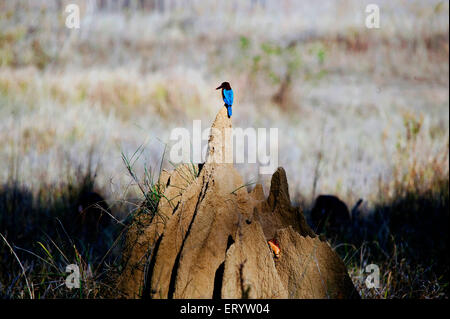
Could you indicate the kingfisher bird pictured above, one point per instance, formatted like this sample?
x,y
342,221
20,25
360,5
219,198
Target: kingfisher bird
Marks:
x,y
227,96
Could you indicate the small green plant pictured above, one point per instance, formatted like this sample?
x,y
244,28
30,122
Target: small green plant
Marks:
x,y
244,42
277,64
150,188
150,185
242,186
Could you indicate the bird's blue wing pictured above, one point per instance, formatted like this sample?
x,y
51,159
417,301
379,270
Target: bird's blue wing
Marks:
x,y
228,97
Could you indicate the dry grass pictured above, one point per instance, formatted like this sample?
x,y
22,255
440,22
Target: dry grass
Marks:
x,y
361,113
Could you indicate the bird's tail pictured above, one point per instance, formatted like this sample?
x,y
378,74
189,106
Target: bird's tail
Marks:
x,y
230,112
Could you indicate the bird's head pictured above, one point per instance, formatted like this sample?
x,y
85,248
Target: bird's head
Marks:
x,y
225,86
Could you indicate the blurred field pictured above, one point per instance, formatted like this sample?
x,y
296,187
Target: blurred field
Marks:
x,y
361,114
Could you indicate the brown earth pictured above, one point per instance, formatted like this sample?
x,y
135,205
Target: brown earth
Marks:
x,y
209,238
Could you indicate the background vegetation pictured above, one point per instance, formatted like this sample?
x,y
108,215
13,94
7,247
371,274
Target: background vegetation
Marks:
x,y
361,113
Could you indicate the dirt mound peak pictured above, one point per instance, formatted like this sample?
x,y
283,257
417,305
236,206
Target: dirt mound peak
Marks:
x,y
210,241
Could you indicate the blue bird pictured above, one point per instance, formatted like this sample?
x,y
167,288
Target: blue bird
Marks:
x,y
227,96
